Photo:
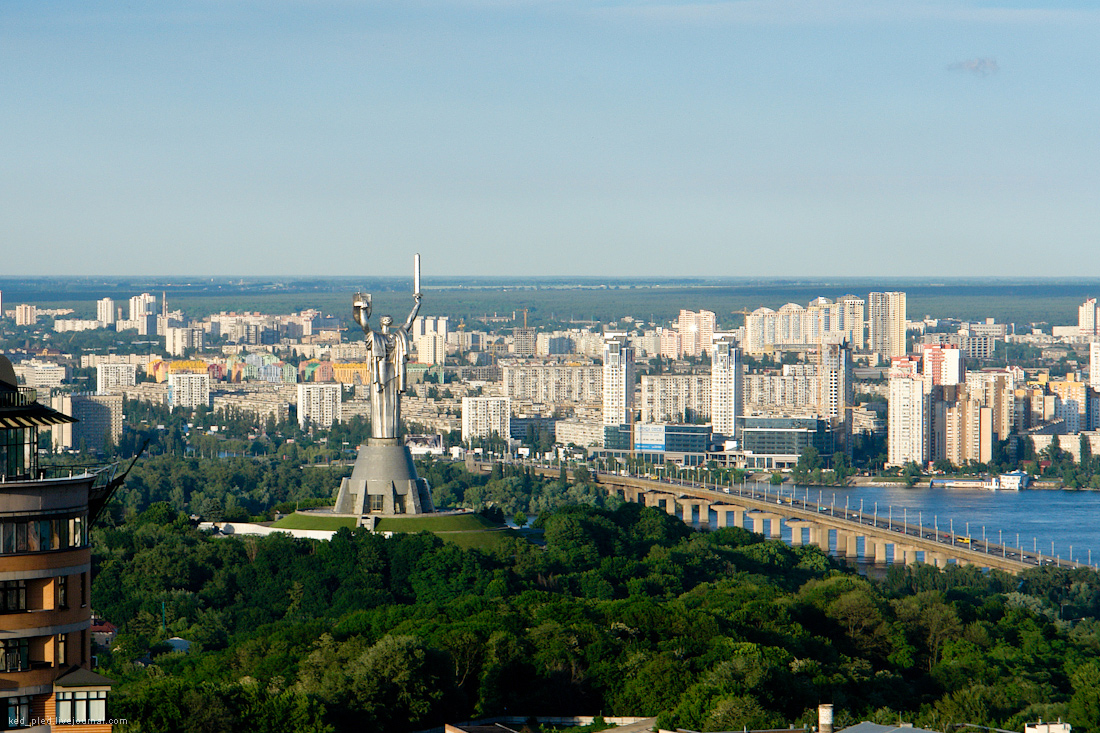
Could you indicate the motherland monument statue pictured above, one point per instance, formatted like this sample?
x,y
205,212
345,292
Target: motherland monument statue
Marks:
x,y
384,479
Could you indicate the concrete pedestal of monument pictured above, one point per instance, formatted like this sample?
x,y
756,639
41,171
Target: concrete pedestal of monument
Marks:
x,y
384,482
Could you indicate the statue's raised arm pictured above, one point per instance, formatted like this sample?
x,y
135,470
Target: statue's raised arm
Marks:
x,y
360,310
412,315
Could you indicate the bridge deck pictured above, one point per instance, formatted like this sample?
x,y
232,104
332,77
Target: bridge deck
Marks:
x,y
757,498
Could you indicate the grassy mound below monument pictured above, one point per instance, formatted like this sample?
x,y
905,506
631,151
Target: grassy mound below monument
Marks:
x,y
464,530
313,521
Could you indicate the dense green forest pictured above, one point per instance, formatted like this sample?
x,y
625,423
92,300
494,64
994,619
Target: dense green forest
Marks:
x,y
626,610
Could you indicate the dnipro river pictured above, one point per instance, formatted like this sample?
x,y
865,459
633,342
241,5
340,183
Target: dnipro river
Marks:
x,y
1066,518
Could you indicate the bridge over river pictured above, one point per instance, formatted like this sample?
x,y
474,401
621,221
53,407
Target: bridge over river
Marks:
x,y
867,536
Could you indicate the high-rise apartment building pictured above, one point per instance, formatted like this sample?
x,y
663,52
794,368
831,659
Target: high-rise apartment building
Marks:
x,y
726,387
795,327
618,379
110,375
671,344
552,383
1094,365
319,405
523,341
1088,322
143,305
968,430
45,566
188,390
177,341
908,414
431,348
696,331
99,421
835,378
675,398
943,365
887,324
852,320
482,417
26,314
995,389
105,312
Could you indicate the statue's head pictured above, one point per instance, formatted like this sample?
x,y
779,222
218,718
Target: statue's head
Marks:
x,y
386,321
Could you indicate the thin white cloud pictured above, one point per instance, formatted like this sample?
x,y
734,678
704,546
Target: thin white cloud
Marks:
x,y
978,67
795,12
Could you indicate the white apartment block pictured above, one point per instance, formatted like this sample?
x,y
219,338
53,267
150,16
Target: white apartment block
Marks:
x,y
942,365
142,305
178,340
696,331
907,415
552,383
62,325
428,325
105,311
793,326
188,390
795,393
618,379
670,343
484,416
431,348
1094,365
26,315
887,324
726,387
88,361
110,375
41,374
585,433
319,404
675,398
1088,322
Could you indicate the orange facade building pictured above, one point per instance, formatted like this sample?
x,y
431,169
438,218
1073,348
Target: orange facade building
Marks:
x,y
46,681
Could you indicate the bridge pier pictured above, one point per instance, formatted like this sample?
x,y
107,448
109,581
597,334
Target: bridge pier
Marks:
x,y
725,510
881,553
851,544
796,527
820,536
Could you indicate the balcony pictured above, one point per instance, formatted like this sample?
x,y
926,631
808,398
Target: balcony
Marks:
x,y
19,397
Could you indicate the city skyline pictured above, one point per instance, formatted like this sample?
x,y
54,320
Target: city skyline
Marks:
x,y
559,138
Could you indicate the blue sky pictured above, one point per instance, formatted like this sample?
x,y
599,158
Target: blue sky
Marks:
x,y
743,137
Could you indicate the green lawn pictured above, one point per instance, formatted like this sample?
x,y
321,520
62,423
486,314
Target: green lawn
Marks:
x,y
446,523
464,530
313,521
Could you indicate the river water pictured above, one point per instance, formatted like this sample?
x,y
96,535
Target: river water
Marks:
x,y
1028,519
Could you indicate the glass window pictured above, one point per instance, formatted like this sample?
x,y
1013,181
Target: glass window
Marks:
x,y
20,536
9,537
63,591
64,707
97,707
81,707
13,596
32,536
63,533
61,648
43,534
19,712
55,543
